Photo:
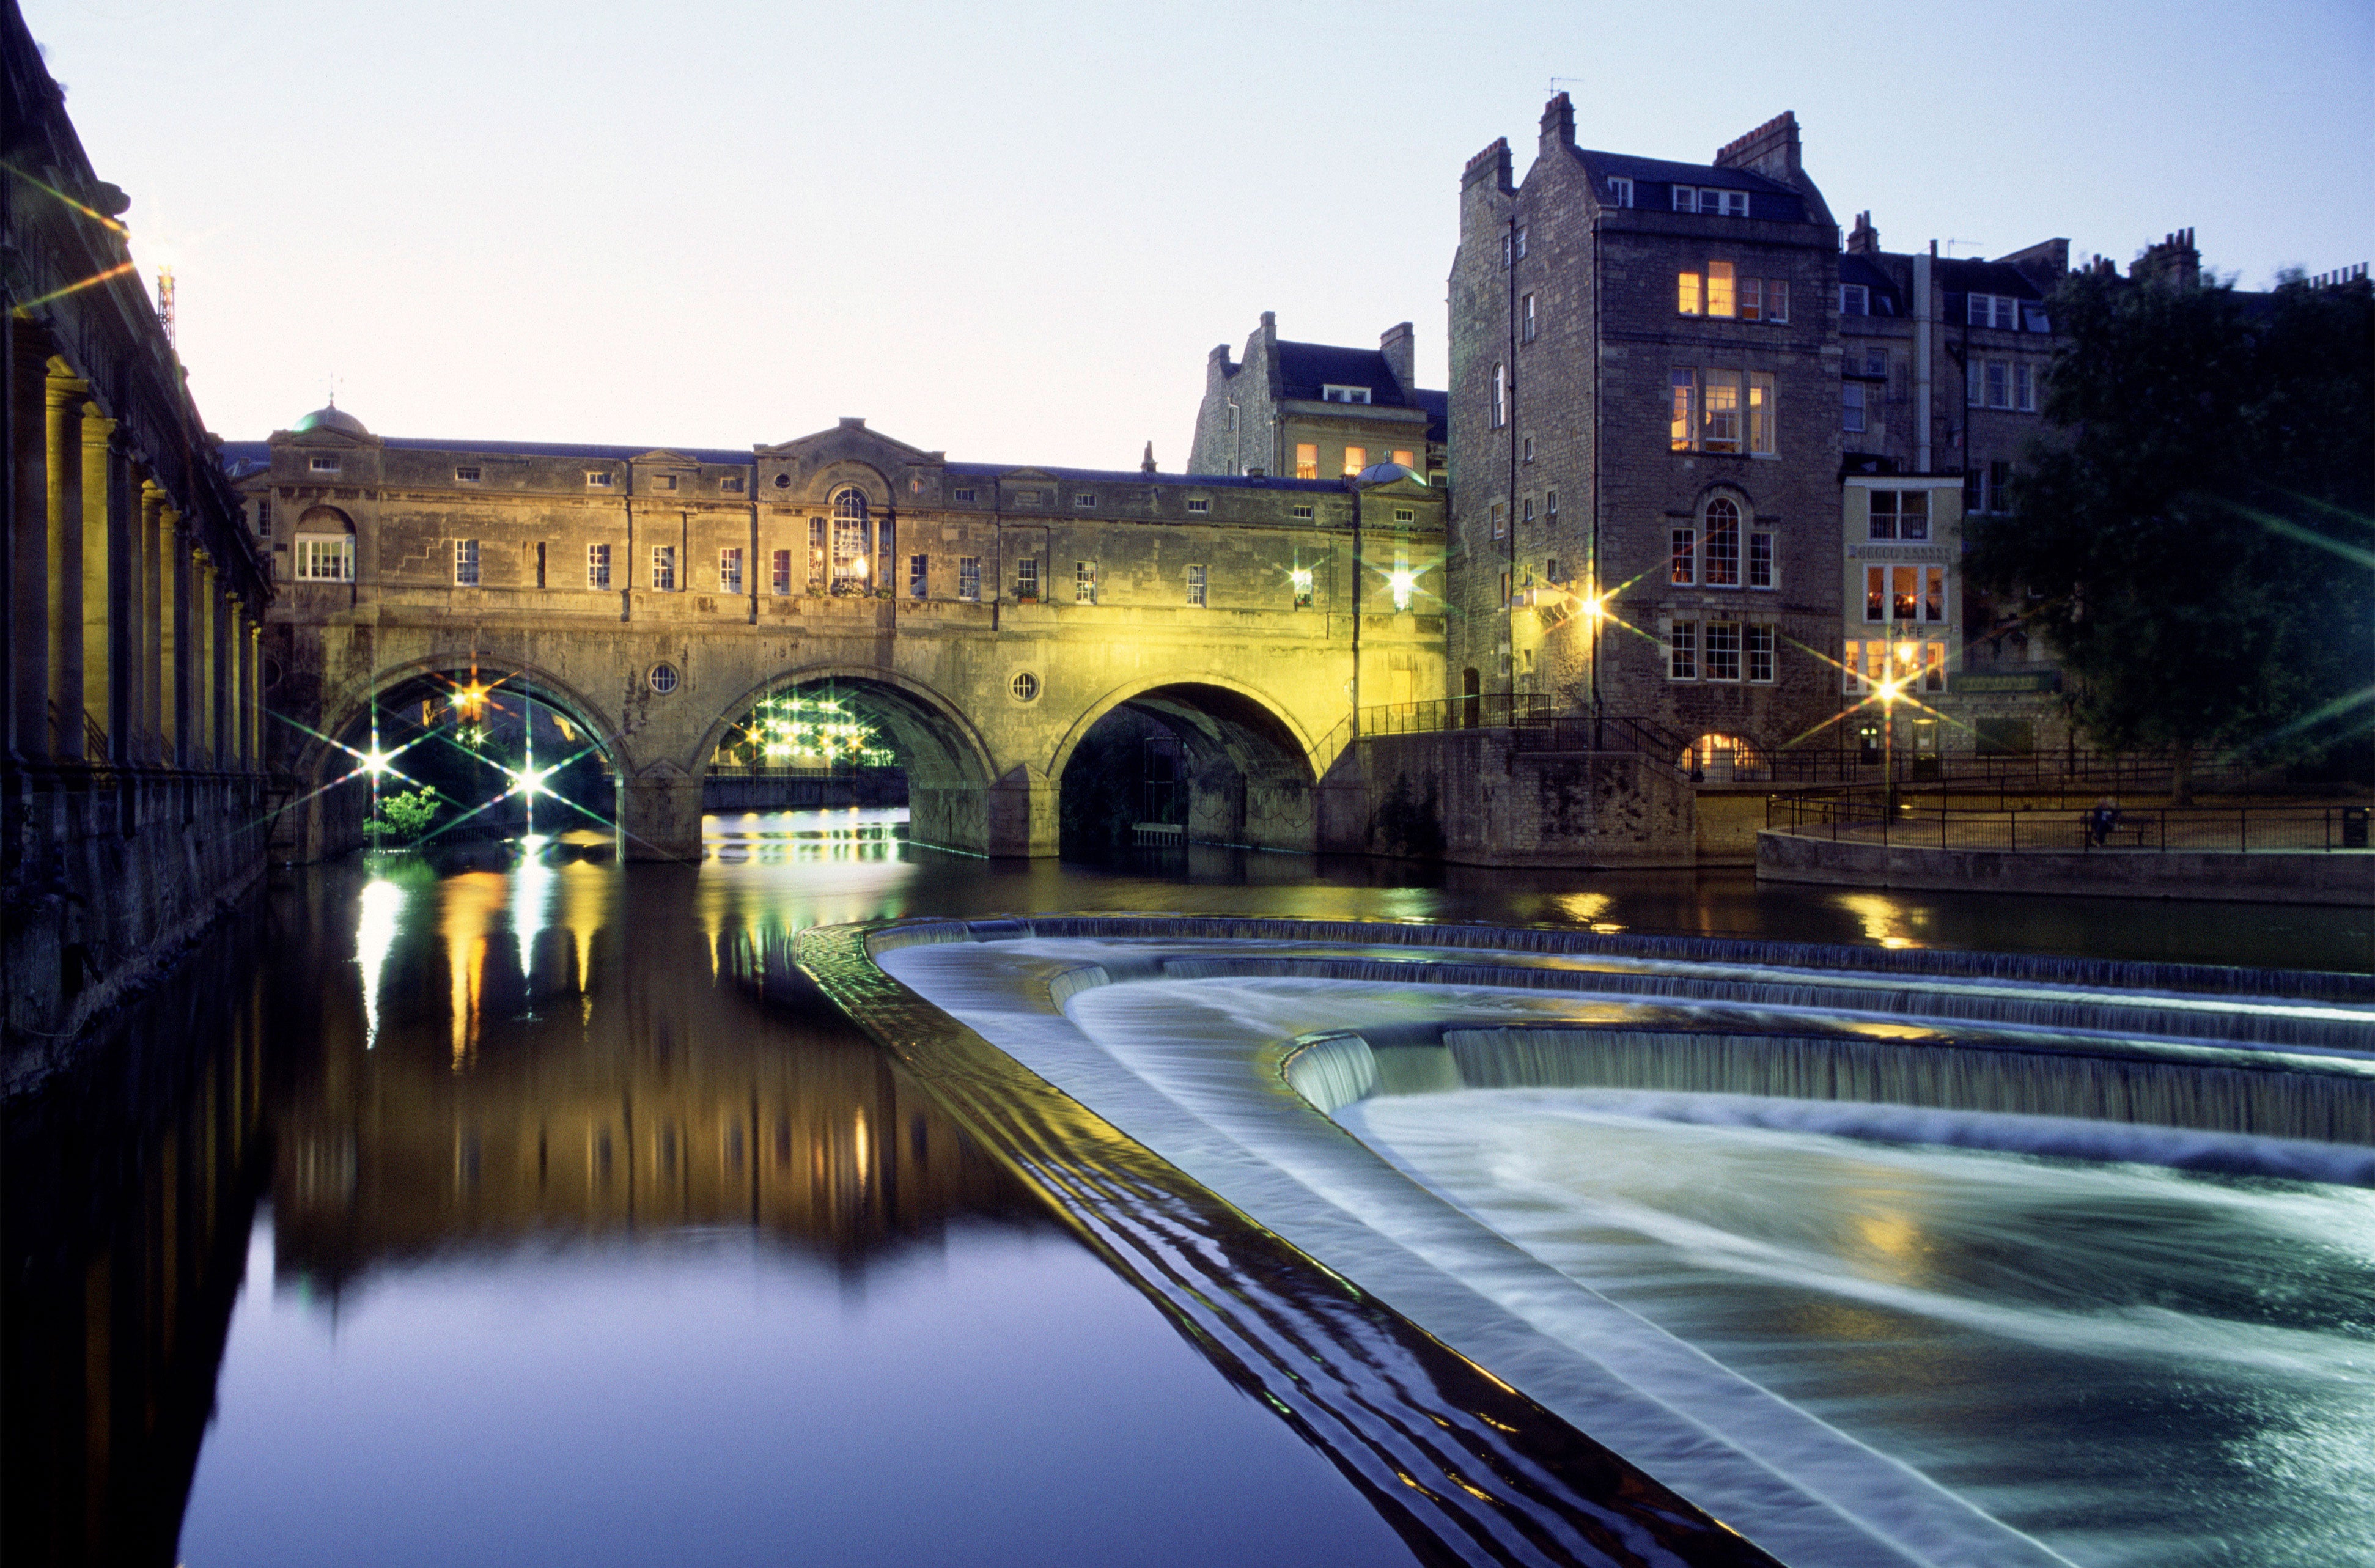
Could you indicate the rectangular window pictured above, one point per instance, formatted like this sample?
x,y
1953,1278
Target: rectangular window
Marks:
x,y
466,563
664,481
1683,651
966,496
1500,395
600,481
324,465
1761,422
1333,393
1729,204
1620,190
1934,594
1198,508
1776,298
1690,296
729,570
598,566
1997,311
1685,404
1300,513
730,485
1196,586
1355,459
1084,581
1085,498
920,576
326,559
1550,502
536,562
1521,244
2024,388
1026,579
1401,582
1683,567
1720,301
1852,413
1752,299
1529,514
779,573
1306,460
1875,593
969,578
1759,643
1526,319
1999,385
1721,430
1686,199
467,476
817,553
1500,522
663,568
1527,450
1855,299
264,518
1933,666
1408,460
1404,514
1722,557
1900,515
1903,592
1723,650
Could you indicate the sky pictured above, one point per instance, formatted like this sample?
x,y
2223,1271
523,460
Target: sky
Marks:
x,y
1013,233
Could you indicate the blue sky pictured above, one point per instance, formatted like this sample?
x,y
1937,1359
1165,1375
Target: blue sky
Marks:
x,y
1014,232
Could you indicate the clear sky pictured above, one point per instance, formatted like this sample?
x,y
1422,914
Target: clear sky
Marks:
x,y
1014,232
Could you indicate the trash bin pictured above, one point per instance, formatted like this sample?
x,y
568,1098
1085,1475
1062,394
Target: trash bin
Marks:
x,y
2354,827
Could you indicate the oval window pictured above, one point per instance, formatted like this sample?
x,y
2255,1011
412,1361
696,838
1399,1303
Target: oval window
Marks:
x,y
1025,686
663,678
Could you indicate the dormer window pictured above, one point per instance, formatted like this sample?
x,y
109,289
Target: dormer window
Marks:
x,y
1334,394
1620,190
324,465
1855,299
597,480
1709,202
1995,311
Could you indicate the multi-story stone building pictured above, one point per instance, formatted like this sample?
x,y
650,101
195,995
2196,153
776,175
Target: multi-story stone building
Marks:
x,y
1316,411
1645,440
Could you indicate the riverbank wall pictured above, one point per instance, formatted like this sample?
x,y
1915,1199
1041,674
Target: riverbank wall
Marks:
x,y
2335,876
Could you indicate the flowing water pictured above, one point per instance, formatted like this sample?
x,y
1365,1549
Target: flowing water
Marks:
x,y
468,1211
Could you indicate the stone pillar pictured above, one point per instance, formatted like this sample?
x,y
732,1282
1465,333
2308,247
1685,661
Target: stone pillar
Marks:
x,y
62,403
27,369
99,581
156,656
659,814
254,751
1019,815
204,613
172,637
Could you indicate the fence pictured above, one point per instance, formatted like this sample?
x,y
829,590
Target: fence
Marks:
x,y
1879,815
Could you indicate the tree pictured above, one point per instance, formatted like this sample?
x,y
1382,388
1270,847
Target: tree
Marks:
x,y
2199,538
405,817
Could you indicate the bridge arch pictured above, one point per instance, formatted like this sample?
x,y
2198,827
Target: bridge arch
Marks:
x,y
1251,765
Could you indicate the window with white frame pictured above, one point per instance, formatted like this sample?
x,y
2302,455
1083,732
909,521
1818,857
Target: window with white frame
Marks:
x,y
849,537
325,558
1758,641
1852,407
1198,508
1719,546
1500,520
779,573
1761,572
1912,662
465,563
1620,190
598,566
1723,650
1999,312
1331,392
2024,388
322,466
1898,592
1711,201
1855,299
1765,298
1500,395
1195,583
1026,578
264,519
1720,423
729,569
1526,322
1682,557
1683,651
1899,514
1521,242
469,473
969,578
1404,514
920,576
599,479
663,568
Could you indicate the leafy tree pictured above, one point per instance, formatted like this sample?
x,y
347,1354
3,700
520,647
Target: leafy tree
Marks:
x,y
2199,538
404,817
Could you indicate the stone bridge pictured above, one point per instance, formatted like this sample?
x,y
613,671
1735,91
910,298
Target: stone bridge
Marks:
x,y
987,617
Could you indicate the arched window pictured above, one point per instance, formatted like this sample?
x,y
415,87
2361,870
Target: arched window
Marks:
x,y
324,549
1721,759
849,543
1719,546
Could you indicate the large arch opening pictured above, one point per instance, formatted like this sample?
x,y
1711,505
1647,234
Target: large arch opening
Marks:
x,y
1185,763
460,755
899,759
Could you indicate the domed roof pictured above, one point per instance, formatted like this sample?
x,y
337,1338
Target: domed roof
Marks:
x,y
1386,473
332,418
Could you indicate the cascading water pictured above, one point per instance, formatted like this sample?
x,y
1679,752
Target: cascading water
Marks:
x,y
1879,1256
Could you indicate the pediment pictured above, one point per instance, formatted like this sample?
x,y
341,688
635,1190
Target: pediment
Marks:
x,y
661,457
807,470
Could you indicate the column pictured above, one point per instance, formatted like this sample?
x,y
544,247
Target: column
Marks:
x,y
99,583
156,645
235,683
172,637
203,616
61,404
27,368
254,752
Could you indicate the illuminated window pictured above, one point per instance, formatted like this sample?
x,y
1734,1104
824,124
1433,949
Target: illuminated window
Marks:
x,y
1682,560
1196,585
1690,293
1905,594
849,543
1852,410
919,575
779,575
1526,324
1407,460
1620,190
1723,650
1760,560
598,566
1084,581
1026,579
818,553
466,563
1760,414
1355,459
1759,643
1719,428
1306,460
1720,301
969,578
1683,651
1900,515
1686,403
663,568
1299,582
729,570
325,558
1721,558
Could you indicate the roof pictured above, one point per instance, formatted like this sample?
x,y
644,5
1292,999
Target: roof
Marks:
x,y
1126,477
1655,178
332,417
1975,277
741,455
1438,413
1854,268
1305,369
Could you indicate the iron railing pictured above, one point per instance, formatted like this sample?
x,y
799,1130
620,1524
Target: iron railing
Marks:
x,y
1880,815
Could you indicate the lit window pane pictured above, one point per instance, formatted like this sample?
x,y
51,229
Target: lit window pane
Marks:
x,y
1719,287
1686,384
1904,584
1722,427
1686,294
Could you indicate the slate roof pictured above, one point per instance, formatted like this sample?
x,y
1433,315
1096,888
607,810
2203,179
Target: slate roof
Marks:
x,y
1655,178
1854,268
1306,369
1975,277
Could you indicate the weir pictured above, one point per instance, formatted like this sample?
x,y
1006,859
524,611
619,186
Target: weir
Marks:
x,y
1240,1052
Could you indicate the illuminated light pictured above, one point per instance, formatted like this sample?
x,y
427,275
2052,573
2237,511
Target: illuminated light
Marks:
x,y
471,699
375,931
1899,942
1301,576
1402,581
376,762
1606,927
530,781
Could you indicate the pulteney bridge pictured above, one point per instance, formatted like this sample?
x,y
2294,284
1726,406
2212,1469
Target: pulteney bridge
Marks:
x,y
987,617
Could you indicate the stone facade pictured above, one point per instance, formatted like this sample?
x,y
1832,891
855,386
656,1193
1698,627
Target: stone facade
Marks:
x,y
990,614
1703,522
1289,408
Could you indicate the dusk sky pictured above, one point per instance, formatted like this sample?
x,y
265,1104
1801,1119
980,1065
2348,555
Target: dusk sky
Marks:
x,y
1014,232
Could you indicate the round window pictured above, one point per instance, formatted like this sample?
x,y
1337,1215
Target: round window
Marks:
x,y
1026,686
782,481
663,678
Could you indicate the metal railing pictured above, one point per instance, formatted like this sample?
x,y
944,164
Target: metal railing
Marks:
x,y
1879,815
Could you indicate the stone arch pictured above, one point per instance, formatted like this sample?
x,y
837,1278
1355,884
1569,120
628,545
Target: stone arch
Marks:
x,y
1252,765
